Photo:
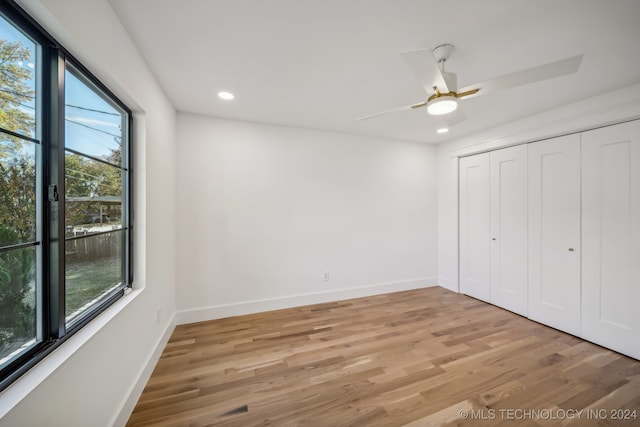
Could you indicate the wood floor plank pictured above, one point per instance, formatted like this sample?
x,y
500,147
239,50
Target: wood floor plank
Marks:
x,y
414,358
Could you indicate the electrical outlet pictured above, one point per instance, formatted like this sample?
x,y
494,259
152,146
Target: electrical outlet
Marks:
x,y
326,276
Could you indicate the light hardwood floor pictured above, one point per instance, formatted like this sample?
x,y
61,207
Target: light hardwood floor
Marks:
x,y
419,358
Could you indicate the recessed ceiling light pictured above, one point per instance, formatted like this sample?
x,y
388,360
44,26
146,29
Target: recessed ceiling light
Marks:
x,y
227,96
443,130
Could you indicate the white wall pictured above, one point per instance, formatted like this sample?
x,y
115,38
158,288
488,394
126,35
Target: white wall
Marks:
x,y
447,218
264,211
97,370
601,110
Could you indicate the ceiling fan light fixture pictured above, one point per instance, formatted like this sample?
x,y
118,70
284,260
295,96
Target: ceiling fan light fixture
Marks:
x,y
441,105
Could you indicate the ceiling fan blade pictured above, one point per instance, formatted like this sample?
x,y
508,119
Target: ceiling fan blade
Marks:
x,y
455,117
405,107
530,75
425,67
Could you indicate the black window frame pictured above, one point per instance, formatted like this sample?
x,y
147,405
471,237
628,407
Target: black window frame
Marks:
x,y
51,321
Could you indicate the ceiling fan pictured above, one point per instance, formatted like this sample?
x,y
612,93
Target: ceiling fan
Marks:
x,y
442,86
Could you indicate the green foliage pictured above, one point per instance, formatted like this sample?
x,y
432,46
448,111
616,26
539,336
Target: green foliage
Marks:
x,y
17,313
18,197
17,200
15,92
88,178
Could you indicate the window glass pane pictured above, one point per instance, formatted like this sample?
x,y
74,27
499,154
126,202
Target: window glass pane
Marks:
x,y
93,126
93,271
18,195
18,268
17,86
17,299
93,196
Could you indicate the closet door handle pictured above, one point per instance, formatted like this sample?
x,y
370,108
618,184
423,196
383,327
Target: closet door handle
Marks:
x,y
493,238
570,249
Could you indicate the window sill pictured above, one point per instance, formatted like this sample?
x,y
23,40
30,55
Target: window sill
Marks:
x,y
21,388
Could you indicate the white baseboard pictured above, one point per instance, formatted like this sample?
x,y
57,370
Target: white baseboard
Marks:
x,y
449,284
257,306
136,390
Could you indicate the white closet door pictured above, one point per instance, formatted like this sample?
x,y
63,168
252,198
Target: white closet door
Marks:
x,y
554,232
611,237
509,228
475,227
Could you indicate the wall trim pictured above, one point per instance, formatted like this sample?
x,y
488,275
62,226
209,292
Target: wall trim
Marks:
x,y
449,284
611,108
133,394
249,307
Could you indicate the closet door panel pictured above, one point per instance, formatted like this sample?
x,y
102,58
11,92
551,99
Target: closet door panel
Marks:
x,y
509,228
554,232
475,226
611,237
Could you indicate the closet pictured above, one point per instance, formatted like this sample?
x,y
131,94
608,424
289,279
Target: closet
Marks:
x,y
611,237
493,227
509,229
554,232
475,226
551,230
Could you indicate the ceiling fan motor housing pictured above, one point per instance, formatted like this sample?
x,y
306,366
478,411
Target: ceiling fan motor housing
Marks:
x,y
442,52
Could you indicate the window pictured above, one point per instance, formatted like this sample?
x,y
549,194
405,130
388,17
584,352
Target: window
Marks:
x,y
65,195
95,127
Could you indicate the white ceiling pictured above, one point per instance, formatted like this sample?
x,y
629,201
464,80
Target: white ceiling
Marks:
x,y
323,63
